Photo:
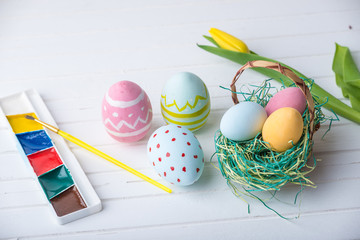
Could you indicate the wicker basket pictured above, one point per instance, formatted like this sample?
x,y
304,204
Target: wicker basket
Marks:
x,y
256,167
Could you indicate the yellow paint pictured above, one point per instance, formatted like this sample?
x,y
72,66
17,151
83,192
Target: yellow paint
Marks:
x,y
283,129
185,115
198,127
186,123
191,129
20,124
180,109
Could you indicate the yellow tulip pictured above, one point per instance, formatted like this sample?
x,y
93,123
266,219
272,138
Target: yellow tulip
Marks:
x,y
227,41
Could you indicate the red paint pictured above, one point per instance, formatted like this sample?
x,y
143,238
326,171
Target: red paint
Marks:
x,y
195,156
154,135
183,155
185,134
44,161
184,169
167,131
149,149
178,180
164,174
158,145
188,143
167,154
159,159
172,168
173,139
197,170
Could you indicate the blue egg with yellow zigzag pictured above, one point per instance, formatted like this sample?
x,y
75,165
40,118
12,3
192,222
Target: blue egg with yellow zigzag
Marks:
x,y
185,101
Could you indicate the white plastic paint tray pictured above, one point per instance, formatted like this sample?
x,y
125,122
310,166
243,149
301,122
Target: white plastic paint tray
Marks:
x,y
31,102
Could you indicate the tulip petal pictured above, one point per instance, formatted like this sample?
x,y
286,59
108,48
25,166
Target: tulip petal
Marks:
x,y
227,41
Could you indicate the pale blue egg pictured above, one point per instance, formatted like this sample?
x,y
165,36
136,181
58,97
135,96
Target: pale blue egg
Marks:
x,y
185,101
243,121
176,154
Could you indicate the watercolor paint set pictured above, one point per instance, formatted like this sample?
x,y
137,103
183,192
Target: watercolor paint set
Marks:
x,y
53,165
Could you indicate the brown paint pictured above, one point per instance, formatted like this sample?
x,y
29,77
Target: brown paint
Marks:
x,y
68,201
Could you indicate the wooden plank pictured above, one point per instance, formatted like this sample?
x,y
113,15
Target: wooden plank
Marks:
x,y
339,222
156,12
307,33
192,208
18,189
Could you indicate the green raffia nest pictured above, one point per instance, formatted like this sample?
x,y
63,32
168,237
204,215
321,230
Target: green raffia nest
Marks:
x,y
256,167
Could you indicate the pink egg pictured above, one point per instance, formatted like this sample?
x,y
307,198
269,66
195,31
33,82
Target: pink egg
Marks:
x,y
289,97
126,112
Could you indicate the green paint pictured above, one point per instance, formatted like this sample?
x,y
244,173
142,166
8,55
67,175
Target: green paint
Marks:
x,y
56,181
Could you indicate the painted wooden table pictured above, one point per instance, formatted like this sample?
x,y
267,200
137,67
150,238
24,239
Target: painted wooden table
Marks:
x,y
72,51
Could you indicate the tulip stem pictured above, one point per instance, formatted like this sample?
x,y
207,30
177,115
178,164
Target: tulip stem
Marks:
x,y
332,103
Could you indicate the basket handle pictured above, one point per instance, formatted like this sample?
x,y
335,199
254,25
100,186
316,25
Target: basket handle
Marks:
x,y
285,71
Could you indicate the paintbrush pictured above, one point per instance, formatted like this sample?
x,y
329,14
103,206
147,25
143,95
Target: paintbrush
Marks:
x,y
98,152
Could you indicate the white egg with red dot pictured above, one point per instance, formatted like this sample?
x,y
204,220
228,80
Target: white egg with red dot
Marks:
x,y
176,155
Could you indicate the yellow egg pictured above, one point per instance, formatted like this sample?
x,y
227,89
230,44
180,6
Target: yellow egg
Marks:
x,y
283,129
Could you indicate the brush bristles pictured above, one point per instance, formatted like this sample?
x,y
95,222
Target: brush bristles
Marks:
x,y
29,117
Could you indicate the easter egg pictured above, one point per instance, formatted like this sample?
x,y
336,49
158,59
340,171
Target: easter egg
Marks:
x,y
283,129
176,154
126,111
185,101
289,97
243,121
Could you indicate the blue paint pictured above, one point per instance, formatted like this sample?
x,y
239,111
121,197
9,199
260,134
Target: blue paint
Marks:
x,y
34,141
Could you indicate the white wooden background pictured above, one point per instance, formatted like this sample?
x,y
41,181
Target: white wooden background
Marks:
x,y
71,51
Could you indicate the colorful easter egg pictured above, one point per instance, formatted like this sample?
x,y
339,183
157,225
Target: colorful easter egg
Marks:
x,y
176,154
288,97
185,101
243,121
126,112
283,129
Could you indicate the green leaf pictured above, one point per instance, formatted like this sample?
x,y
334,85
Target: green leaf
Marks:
x,y
347,75
242,58
210,39
355,102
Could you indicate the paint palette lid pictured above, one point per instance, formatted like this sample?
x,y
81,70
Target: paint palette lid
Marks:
x,y
65,185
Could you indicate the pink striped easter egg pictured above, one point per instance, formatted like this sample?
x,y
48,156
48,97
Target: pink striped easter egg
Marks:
x,y
126,112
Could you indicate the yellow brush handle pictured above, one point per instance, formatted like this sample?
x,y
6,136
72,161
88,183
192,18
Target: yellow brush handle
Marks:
x,y
111,159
